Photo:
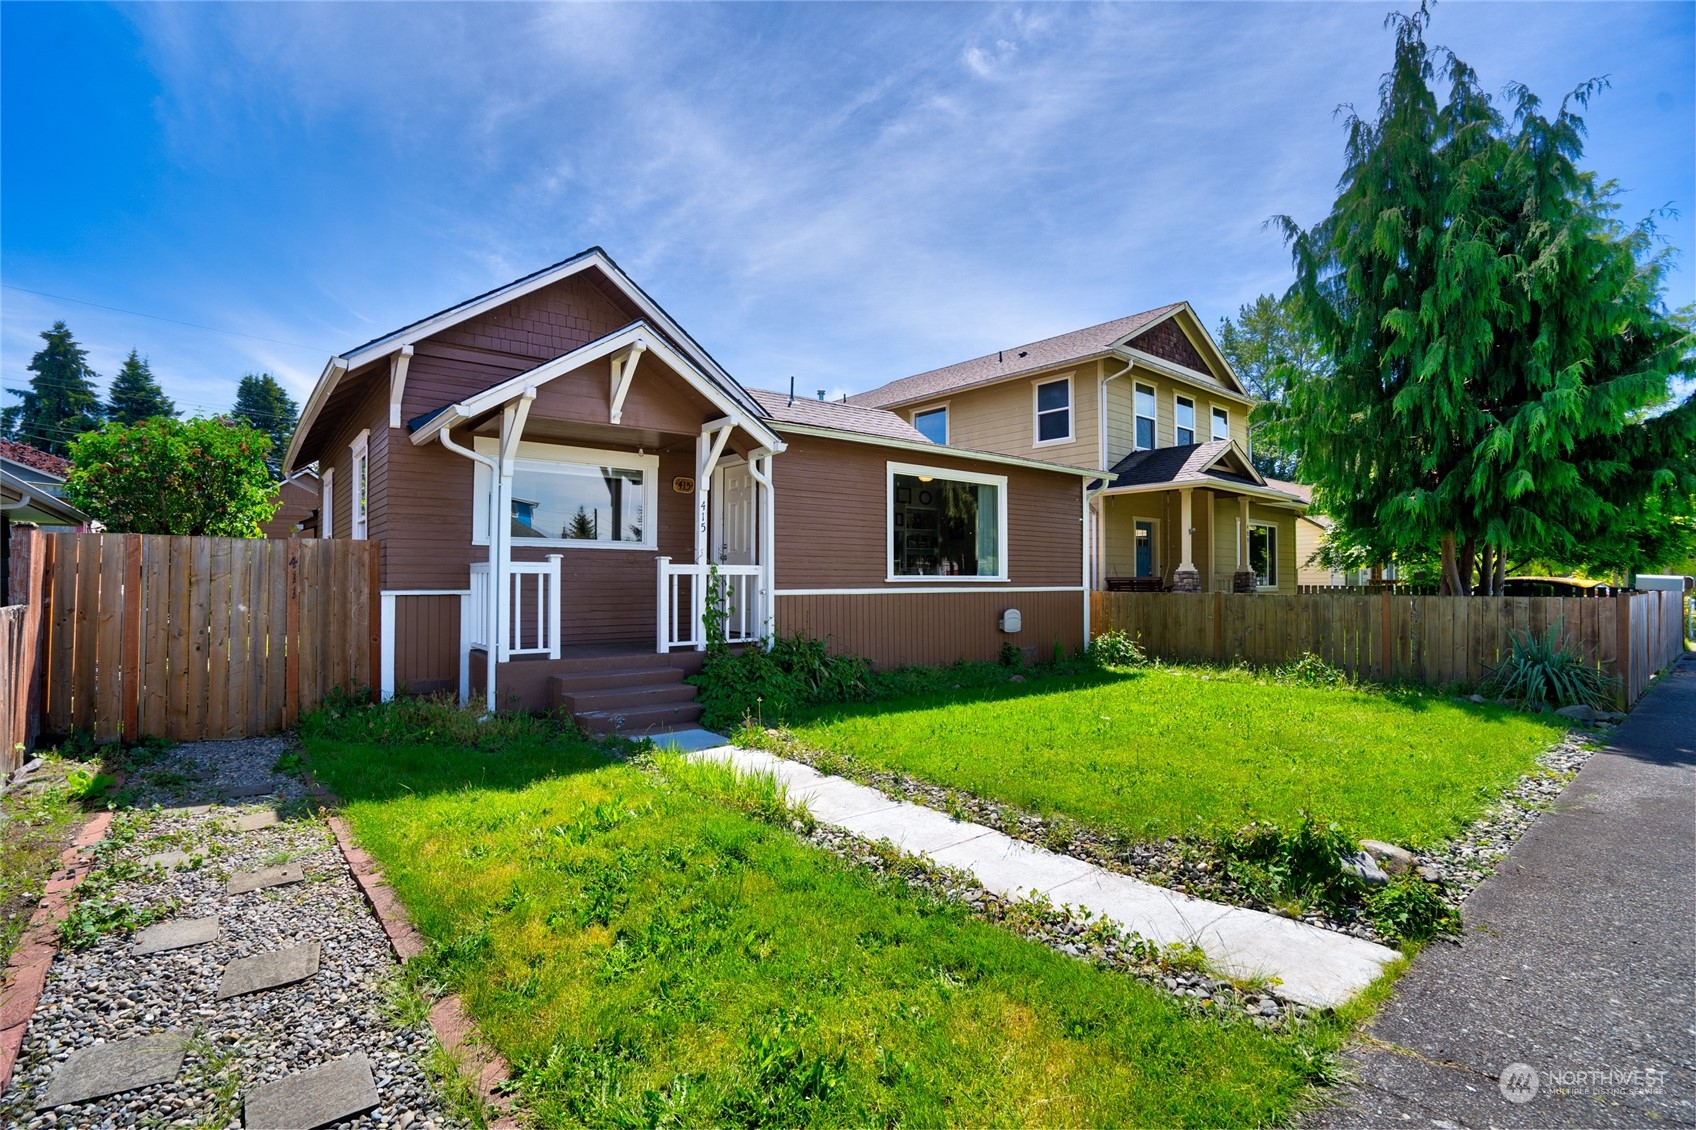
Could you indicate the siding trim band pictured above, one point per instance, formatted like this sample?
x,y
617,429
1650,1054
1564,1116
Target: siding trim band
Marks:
x,y
928,589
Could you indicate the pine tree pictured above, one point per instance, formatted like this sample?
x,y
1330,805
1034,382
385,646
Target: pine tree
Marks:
x,y
261,403
60,403
1272,349
135,395
1504,363
581,527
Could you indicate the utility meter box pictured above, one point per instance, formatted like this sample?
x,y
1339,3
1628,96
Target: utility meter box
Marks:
x,y
1011,621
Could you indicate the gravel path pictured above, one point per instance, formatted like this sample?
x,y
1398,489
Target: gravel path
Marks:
x,y
105,993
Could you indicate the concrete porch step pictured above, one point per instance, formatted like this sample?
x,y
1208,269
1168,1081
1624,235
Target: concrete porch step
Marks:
x,y
639,721
623,698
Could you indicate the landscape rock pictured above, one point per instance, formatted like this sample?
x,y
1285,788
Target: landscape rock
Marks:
x,y
1364,867
1578,712
1394,860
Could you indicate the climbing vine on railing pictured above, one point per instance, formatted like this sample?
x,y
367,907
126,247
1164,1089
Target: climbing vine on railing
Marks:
x,y
718,611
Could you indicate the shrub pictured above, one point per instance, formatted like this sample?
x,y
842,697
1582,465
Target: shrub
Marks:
x,y
1309,670
435,720
1411,908
770,684
1115,649
1538,669
1303,864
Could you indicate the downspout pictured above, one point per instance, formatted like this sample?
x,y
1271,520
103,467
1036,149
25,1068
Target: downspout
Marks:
x,y
494,528
1101,415
759,467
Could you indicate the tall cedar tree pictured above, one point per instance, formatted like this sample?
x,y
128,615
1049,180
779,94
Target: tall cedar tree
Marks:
x,y
167,476
261,403
1504,361
1272,348
60,403
136,395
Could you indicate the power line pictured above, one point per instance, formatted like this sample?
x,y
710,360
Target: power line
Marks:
x,y
160,318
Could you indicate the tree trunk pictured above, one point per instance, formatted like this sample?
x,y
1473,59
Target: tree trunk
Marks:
x,y
1487,570
1376,579
1463,567
1502,571
1451,579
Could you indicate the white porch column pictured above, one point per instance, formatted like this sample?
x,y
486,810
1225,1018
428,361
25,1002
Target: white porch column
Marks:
x,y
767,549
1243,580
1186,579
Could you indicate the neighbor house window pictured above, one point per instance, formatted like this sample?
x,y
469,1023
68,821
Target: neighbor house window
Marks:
x,y
327,505
1054,411
571,496
1221,424
1143,399
1183,416
1263,553
932,423
361,476
945,523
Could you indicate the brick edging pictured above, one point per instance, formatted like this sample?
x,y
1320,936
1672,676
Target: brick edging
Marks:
x,y
453,1026
26,972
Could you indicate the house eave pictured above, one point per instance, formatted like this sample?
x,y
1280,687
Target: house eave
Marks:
x,y
935,449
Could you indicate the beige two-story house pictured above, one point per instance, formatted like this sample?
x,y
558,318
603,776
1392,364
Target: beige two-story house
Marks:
x,y
1151,402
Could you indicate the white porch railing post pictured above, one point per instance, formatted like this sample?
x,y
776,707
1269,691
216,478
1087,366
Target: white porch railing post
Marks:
x,y
662,604
555,604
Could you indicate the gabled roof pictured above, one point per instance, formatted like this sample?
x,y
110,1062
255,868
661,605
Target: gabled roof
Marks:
x,y
1217,463
663,325
742,409
33,457
836,415
25,501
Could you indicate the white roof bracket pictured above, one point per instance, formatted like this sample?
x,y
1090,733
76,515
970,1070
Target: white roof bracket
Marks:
x,y
623,369
398,362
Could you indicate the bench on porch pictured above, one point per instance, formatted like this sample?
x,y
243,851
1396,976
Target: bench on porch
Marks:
x,y
1135,584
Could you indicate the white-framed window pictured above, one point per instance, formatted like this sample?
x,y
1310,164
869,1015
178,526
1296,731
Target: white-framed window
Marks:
x,y
1051,402
361,471
1221,424
1142,405
1263,553
327,505
573,496
932,423
1183,421
946,523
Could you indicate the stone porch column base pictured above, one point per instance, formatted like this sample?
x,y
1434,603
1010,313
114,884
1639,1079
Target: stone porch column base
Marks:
x,y
1243,582
1186,580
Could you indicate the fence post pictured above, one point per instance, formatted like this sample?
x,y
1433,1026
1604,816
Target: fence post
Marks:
x,y
1384,648
130,679
1218,627
1622,654
374,608
291,645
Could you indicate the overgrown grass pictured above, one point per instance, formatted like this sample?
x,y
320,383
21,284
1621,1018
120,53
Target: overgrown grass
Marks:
x,y
37,822
1162,751
654,945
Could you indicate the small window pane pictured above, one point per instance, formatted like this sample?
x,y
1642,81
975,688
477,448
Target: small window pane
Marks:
x,y
1221,424
933,425
1053,425
946,528
1051,396
1053,411
1145,433
576,502
1145,401
1185,422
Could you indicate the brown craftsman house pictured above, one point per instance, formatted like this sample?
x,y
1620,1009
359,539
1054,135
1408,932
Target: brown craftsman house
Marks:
x,y
571,494
1150,404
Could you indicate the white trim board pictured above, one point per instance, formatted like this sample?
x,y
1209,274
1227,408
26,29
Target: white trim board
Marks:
x,y
930,589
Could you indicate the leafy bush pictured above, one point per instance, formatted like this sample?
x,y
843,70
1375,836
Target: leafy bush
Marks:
x,y
86,785
1411,908
1538,669
1309,670
436,720
770,684
1303,864
1115,649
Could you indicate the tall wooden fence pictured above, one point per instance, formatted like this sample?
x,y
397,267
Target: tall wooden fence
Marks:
x,y
20,647
193,637
1386,637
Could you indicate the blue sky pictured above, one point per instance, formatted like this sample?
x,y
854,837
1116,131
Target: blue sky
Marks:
x,y
845,193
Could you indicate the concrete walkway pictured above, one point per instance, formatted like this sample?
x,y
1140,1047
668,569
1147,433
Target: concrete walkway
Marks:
x,y
1569,1000
1315,967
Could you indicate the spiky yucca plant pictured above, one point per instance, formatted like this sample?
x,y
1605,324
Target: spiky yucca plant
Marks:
x,y
1538,669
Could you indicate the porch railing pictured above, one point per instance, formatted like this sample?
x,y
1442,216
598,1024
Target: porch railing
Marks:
x,y
686,591
532,619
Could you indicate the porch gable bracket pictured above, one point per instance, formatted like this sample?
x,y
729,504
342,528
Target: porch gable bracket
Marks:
x,y
623,371
398,363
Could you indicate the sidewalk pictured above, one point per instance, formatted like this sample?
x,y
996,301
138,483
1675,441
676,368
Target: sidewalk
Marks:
x,y
1316,967
1575,970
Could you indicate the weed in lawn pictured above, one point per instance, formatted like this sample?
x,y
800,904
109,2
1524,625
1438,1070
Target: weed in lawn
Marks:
x,y
36,824
1115,649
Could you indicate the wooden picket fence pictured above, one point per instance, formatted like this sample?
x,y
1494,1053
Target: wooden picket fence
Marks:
x,y
1389,637
190,638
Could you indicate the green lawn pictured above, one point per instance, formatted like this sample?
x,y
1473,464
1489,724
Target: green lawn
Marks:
x,y
1152,752
643,952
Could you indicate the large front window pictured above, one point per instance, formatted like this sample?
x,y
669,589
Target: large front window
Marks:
x,y
574,496
946,523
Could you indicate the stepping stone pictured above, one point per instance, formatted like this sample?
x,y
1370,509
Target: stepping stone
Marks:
x,y
107,1069
270,877
177,934
252,788
190,810
315,1098
165,859
254,821
268,970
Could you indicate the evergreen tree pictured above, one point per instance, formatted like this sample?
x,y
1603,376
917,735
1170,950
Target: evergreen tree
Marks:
x,y
261,403
1504,362
60,403
135,395
1272,348
581,527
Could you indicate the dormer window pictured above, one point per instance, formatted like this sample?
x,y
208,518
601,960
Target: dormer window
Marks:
x,y
1184,421
1144,405
1054,411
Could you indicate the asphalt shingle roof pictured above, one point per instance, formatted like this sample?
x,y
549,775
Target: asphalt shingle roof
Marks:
x,y
1029,358
35,457
835,415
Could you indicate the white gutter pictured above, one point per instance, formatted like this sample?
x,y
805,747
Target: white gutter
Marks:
x,y
1101,416
494,526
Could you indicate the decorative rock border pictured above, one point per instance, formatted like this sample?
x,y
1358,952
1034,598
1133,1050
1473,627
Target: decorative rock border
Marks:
x,y
26,972
455,1030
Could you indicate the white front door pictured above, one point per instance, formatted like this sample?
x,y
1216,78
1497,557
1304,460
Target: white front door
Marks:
x,y
733,517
